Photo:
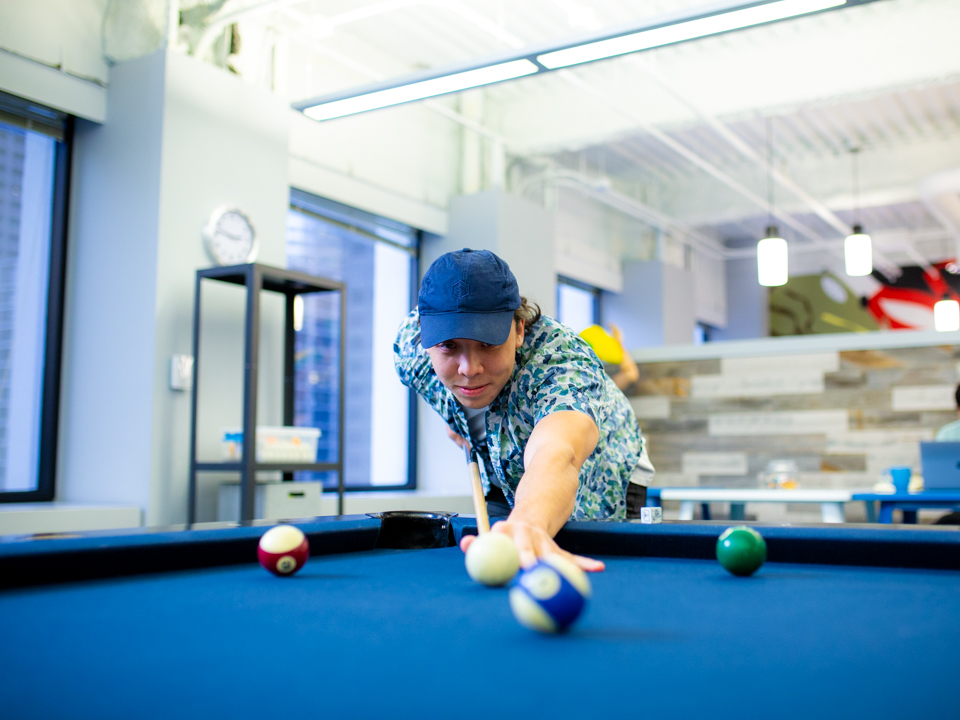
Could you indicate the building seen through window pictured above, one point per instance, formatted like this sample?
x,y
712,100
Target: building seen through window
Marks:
x,y
376,260
32,152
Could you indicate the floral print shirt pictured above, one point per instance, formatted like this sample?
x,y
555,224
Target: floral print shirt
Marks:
x,y
555,370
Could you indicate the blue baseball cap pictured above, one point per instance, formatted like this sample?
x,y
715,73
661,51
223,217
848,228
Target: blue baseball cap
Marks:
x,y
467,294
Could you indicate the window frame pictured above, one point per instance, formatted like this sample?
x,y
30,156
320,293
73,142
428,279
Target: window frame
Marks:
x,y
373,227
37,118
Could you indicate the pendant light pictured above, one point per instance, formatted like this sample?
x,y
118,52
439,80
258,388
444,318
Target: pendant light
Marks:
x,y
772,259
772,253
857,248
946,315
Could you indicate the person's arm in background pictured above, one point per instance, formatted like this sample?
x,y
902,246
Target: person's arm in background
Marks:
x,y
628,372
546,494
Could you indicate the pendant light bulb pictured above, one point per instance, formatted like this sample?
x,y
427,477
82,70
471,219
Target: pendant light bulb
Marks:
x,y
772,259
858,253
946,315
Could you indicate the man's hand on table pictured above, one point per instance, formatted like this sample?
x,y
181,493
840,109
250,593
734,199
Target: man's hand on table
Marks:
x,y
533,542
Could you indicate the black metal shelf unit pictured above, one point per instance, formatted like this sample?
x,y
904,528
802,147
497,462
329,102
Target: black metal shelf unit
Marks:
x,y
257,277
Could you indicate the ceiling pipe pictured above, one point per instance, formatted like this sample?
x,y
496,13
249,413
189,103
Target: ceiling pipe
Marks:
x,y
682,150
784,180
305,37
219,22
600,190
940,194
382,8
822,211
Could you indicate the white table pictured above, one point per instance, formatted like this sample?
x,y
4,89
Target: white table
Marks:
x,y
831,501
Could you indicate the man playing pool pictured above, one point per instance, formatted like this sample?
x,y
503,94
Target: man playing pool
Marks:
x,y
555,438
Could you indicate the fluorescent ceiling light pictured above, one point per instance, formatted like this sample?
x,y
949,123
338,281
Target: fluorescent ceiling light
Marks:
x,y
772,260
946,315
422,89
858,253
679,32
530,61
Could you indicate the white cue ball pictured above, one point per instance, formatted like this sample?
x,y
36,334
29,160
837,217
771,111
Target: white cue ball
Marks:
x,y
492,559
282,539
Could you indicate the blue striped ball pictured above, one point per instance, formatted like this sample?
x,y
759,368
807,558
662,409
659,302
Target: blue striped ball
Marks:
x,y
549,596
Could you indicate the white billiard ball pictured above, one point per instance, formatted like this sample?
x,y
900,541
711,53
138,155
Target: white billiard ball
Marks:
x,y
492,559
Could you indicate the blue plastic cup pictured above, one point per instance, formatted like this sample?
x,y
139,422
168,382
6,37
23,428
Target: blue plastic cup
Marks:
x,y
901,478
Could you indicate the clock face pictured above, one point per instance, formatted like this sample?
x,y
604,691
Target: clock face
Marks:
x,y
230,237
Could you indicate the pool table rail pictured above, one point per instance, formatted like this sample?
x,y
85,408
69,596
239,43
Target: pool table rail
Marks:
x,y
38,560
818,544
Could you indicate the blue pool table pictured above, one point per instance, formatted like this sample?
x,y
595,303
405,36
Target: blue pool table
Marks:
x,y
383,622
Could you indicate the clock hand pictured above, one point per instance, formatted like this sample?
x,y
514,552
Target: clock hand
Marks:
x,y
232,236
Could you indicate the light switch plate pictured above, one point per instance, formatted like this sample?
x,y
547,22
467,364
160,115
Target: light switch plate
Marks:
x,y
181,372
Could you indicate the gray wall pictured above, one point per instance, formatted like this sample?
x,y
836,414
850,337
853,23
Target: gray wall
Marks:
x,y
181,139
522,234
679,305
747,310
656,307
515,229
638,309
110,322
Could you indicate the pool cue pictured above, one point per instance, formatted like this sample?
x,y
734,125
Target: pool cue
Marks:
x,y
479,501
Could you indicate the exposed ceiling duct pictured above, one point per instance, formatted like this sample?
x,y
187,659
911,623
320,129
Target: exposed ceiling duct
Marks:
x,y
134,29
941,194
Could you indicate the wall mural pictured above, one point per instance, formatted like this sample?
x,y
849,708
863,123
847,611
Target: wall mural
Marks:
x,y
825,303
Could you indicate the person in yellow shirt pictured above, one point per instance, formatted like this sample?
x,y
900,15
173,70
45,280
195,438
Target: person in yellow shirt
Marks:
x,y
609,348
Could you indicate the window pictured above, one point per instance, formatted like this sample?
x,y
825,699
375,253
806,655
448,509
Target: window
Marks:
x,y
578,304
376,258
34,157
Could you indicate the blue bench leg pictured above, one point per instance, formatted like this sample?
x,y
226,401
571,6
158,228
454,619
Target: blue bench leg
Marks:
x,y
871,510
705,510
738,511
886,512
910,517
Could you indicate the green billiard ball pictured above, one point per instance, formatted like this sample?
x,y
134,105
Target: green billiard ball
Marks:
x,y
741,550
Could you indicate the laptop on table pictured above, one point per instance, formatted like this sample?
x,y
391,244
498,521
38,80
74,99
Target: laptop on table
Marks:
x,y
941,466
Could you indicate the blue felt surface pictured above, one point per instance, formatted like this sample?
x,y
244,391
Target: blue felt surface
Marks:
x,y
405,633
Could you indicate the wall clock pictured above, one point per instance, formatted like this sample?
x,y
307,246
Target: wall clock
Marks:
x,y
229,237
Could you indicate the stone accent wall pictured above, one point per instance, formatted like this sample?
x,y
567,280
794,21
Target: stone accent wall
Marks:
x,y
842,416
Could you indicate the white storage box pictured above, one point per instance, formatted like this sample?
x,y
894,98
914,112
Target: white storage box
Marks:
x,y
273,501
274,444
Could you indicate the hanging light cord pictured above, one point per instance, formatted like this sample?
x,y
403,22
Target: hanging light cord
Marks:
x,y
770,172
856,186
